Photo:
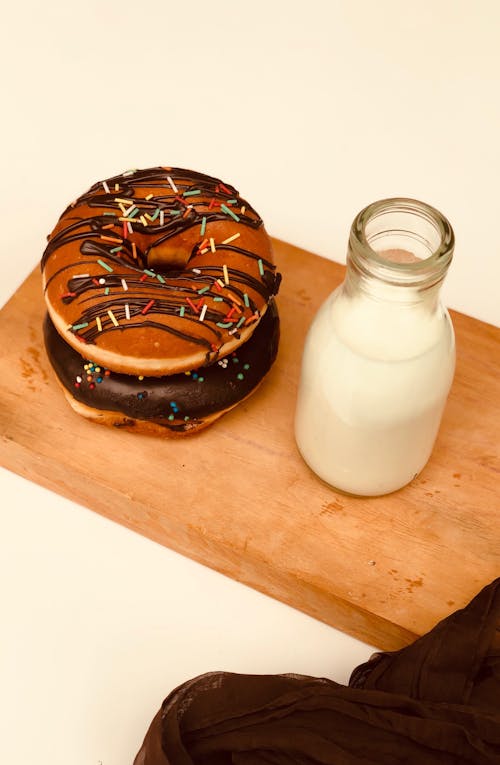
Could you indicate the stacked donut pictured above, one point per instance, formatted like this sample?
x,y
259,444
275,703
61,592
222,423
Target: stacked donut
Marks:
x,y
159,286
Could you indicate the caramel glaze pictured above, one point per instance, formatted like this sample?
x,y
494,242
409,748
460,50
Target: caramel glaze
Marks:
x,y
140,271
195,395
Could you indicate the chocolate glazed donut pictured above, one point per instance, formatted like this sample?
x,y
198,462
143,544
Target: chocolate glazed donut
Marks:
x,y
177,404
159,271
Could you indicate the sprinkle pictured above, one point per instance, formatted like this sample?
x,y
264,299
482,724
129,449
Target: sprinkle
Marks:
x,y
117,187
231,238
196,271
204,250
186,212
181,310
261,267
212,203
154,216
171,417
124,285
127,311
113,239
182,201
172,184
108,225
226,275
116,249
225,188
203,226
246,300
203,290
98,322
128,172
212,244
143,220
160,278
81,276
149,217
229,212
110,213
132,211
203,312
134,250
140,377
123,208
128,202
80,326
241,321
218,299
101,280
129,228
78,379
105,187
191,193
112,317
201,379
106,291
246,366
125,230
190,302
105,265
143,278
149,196
203,244
186,418
147,307
107,373
175,212
149,273
224,325
68,294
242,211
240,376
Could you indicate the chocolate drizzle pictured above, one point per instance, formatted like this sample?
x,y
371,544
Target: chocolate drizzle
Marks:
x,y
195,394
181,205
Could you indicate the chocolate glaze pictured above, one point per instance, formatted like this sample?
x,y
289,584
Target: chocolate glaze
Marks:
x,y
195,395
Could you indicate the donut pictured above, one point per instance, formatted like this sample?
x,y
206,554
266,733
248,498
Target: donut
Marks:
x,y
157,272
171,405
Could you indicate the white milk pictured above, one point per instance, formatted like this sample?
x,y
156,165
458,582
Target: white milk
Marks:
x,y
375,377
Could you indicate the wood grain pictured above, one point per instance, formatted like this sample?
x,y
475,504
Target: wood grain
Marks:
x,y
238,498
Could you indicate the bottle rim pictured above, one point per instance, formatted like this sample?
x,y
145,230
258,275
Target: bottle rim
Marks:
x,y
428,270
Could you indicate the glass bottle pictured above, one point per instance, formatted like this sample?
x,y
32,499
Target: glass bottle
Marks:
x,y
379,357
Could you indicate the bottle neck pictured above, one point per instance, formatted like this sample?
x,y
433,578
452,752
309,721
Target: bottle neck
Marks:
x,y
399,252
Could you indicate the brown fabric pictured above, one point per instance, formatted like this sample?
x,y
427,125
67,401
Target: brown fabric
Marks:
x,y
436,701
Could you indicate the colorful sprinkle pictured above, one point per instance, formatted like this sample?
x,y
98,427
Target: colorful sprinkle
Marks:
x,y
162,217
202,290
191,193
226,274
172,184
116,249
160,279
190,302
241,321
261,267
182,310
106,291
203,226
224,324
143,220
105,265
105,187
212,244
127,311
231,238
230,212
242,211
113,239
124,285
113,317
149,273
98,323
147,307
240,376
203,312
149,196
80,326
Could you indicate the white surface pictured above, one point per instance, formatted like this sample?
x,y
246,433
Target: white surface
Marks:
x,y
312,110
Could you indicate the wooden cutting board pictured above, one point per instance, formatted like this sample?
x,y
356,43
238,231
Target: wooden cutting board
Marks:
x,y
238,498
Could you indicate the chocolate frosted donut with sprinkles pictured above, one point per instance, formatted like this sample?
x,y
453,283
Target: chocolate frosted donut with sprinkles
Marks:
x,y
153,274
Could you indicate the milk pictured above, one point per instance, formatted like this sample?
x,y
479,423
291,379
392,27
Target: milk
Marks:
x,y
376,372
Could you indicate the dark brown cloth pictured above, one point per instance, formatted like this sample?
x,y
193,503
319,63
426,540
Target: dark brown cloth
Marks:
x,y
436,701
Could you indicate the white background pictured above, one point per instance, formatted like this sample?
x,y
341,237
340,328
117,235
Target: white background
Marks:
x,y
312,110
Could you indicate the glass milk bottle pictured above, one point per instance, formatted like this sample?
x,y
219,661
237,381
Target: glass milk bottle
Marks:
x,y
379,357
